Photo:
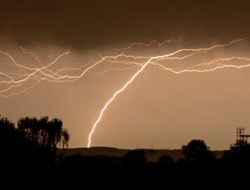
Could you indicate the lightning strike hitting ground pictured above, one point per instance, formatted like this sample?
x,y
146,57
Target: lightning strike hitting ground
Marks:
x,y
168,69
12,82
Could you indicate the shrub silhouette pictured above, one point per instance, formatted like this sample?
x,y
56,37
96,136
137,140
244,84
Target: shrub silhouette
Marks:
x,y
197,150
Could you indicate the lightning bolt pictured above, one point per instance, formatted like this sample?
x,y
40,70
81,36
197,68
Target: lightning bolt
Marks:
x,y
157,58
149,44
15,83
43,73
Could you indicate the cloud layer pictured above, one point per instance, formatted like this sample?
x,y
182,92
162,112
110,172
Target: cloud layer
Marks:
x,y
93,23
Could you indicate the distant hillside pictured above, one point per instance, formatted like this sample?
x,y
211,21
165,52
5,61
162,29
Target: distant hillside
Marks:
x,y
152,154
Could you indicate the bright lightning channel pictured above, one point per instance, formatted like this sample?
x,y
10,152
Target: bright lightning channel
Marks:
x,y
11,80
141,70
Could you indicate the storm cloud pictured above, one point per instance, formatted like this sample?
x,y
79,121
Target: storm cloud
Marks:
x,y
96,23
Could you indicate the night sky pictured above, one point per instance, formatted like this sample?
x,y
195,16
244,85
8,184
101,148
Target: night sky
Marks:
x,y
160,109
94,23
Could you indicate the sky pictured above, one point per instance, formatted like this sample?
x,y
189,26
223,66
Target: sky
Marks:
x,y
159,109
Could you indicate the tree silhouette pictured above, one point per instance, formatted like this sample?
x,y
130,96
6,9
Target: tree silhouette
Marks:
x,y
42,132
238,153
54,133
8,139
197,150
7,132
65,139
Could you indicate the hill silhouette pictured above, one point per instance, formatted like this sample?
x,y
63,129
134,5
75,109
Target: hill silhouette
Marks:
x,y
152,155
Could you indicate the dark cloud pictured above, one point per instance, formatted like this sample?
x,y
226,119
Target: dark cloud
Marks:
x,y
94,23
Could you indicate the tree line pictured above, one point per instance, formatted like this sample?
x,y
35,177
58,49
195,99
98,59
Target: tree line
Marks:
x,y
31,140
29,158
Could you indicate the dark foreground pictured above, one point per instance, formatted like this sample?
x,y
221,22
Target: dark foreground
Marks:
x,y
130,171
30,160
